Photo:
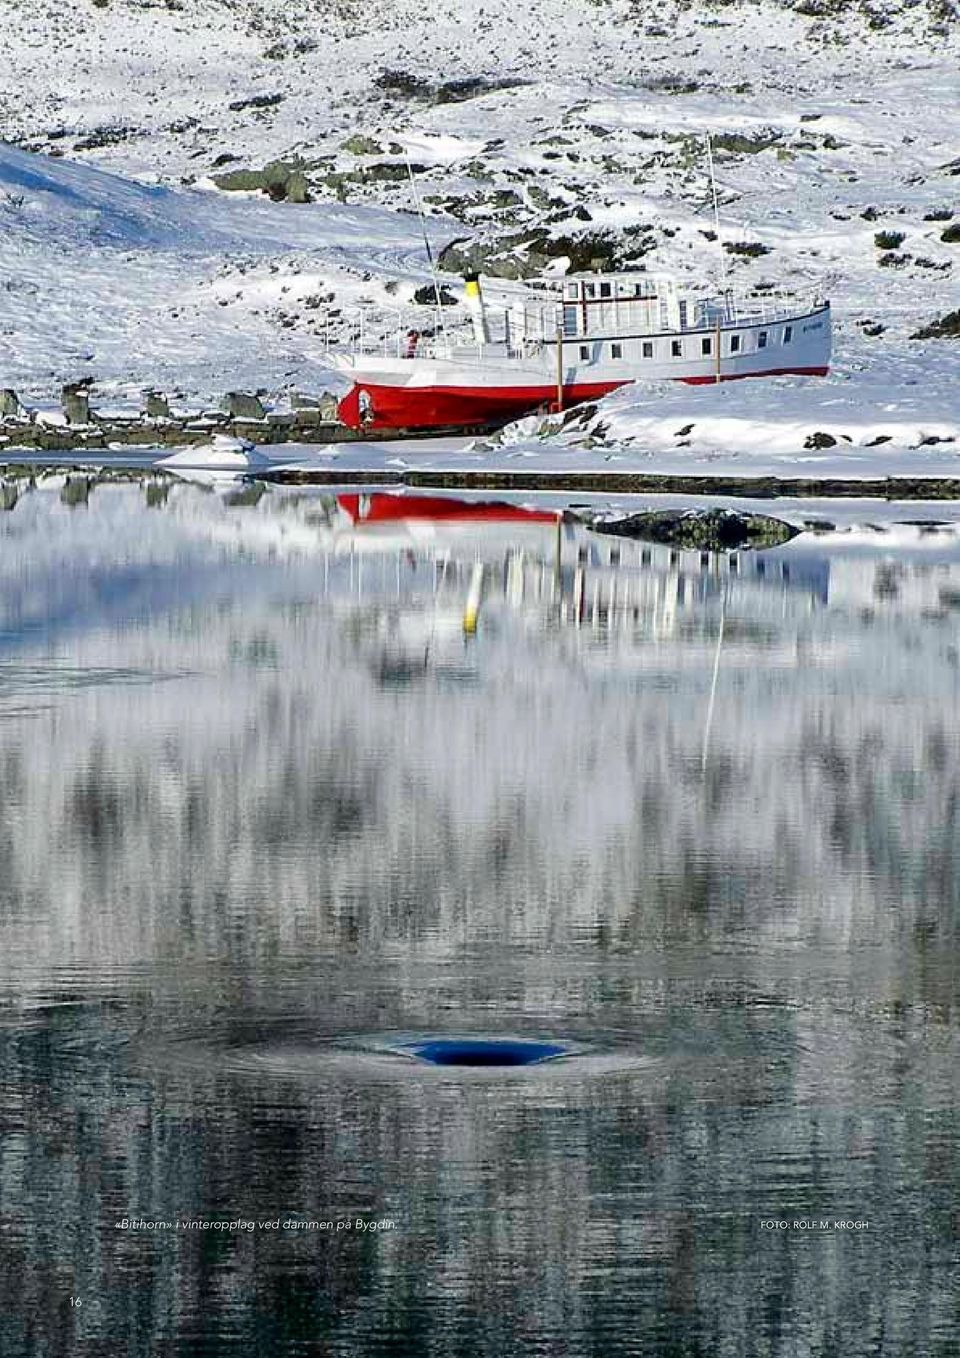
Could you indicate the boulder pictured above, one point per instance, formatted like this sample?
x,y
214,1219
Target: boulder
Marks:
x,y
156,406
280,180
359,145
75,403
243,405
707,530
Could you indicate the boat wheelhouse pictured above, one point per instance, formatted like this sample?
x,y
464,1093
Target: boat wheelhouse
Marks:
x,y
558,342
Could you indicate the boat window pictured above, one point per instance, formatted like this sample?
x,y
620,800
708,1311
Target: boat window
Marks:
x,y
604,289
734,344
647,349
616,351
589,290
676,348
584,353
762,340
638,289
706,346
572,289
787,334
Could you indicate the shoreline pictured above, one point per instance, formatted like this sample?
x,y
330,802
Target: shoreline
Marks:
x,y
626,483
17,463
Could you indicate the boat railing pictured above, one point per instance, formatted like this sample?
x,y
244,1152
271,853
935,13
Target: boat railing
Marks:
x,y
526,327
769,305
415,333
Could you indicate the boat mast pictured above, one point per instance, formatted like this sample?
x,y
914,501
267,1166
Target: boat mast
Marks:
x,y
426,244
716,214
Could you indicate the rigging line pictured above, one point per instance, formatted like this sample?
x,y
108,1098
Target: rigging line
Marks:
x,y
426,241
716,212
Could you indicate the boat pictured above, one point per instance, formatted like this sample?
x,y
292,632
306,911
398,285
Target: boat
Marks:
x,y
561,341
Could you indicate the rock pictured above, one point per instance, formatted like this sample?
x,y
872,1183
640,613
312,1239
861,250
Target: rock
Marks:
x,y
403,83
945,327
527,253
9,495
75,402
305,400
427,296
709,530
156,406
409,86
243,405
749,249
389,172
104,136
359,145
257,101
280,180
496,259
9,402
297,188
735,143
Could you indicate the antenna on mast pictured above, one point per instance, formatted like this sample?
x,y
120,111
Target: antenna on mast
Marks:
x,y
716,213
426,241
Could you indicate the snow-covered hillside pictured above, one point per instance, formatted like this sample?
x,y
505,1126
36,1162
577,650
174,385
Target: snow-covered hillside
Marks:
x,y
133,284
550,129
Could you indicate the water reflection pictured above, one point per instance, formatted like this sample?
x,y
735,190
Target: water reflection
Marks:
x,y
265,796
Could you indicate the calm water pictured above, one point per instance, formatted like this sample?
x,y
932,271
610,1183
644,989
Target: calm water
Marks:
x,y
266,812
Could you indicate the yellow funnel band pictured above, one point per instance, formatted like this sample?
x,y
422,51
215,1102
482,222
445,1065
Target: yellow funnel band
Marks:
x,y
472,288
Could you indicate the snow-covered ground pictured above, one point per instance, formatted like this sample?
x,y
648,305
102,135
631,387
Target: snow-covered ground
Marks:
x,y
108,278
834,124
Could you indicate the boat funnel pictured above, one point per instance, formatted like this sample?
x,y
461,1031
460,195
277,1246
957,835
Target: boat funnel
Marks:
x,y
474,300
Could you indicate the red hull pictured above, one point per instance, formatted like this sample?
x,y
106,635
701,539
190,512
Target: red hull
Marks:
x,y
453,407
381,507
403,407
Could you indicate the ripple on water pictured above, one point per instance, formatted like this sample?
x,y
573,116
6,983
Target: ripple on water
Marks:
x,y
401,1056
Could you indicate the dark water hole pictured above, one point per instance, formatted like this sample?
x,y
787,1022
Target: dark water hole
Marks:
x,y
469,1051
